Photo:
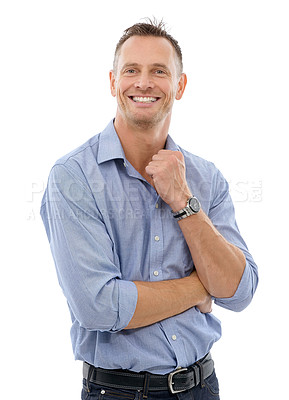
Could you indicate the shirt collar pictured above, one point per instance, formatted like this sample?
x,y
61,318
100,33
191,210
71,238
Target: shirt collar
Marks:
x,y
171,145
110,147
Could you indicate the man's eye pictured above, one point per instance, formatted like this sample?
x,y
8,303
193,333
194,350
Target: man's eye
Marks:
x,y
130,71
159,72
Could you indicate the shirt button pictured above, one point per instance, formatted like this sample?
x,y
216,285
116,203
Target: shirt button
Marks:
x,y
156,273
157,205
174,337
124,164
102,392
157,238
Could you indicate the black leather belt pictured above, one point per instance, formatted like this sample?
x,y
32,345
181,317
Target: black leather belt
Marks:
x,y
177,381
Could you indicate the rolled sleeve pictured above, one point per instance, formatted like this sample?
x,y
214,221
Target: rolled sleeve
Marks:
x,y
87,267
127,303
244,292
222,214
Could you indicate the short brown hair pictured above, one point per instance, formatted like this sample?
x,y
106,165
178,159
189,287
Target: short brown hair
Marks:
x,y
150,28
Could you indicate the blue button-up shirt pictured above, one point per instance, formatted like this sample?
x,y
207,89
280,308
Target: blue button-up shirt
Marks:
x,y
107,227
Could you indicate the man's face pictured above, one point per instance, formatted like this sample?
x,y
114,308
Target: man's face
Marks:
x,y
146,81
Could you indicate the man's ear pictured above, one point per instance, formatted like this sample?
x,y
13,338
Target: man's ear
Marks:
x,y
112,83
181,86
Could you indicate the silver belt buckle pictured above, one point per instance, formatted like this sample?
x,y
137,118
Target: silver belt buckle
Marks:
x,y
170,380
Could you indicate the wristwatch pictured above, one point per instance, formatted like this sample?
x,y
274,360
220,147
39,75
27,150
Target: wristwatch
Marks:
x,y
193,207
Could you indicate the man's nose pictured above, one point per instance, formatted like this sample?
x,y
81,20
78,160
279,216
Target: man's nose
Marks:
x,y
144,81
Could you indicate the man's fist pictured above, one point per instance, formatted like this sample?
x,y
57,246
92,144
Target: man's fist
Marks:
x,y
168,172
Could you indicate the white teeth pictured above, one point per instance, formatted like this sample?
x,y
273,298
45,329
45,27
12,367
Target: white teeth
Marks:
x,y
144,99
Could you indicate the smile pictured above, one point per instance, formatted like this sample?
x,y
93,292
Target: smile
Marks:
x,y
138,99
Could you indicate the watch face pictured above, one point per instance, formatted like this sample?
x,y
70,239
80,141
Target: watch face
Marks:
x,y
195,204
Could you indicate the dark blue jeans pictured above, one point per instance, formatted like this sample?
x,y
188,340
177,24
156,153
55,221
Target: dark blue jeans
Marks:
x,y
210,391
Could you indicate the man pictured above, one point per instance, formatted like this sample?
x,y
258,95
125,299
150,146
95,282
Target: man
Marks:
x,y
144,238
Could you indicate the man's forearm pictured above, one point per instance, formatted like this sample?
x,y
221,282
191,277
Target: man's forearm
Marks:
x,y
219,264
164,299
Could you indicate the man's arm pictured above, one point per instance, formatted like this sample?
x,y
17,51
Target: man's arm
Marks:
x,y
164,299
89,272
219,264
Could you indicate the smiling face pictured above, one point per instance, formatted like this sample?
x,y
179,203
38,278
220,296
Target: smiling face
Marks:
x,y
146,81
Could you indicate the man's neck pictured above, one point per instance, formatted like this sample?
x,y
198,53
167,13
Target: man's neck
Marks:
x,y
140,145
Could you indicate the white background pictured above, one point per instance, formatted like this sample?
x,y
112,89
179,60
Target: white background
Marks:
x,y
55,95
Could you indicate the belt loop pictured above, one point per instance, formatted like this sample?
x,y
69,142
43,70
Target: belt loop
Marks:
x,y
146,385
90,371
201,368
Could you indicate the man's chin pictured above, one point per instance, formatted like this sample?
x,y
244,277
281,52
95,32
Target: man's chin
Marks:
x,y
147,122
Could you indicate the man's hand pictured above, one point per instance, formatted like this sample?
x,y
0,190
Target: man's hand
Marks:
x,y
205,304
168,172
